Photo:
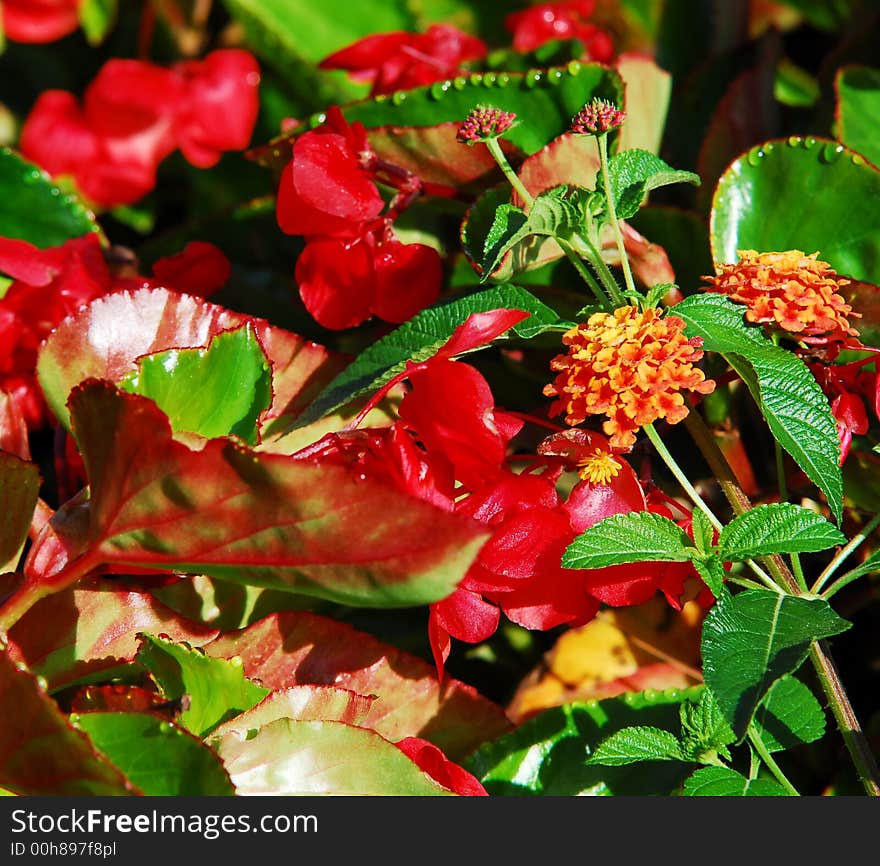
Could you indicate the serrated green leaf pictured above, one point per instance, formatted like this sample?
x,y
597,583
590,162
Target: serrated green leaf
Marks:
x,y
545,755
724,782
33,208
637,537
711,571
789,715
634,173
753,638
792,403
217,689
776,527
704,532
160,757
553,214
420,338
219,390
637,744
704,730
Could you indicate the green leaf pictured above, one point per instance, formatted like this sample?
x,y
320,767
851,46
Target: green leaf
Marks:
x,y
712,573
19,490
634,173
753,638
217,689
216,391
545,755
858,109
759,205
419,339
704,532
705,732
34,209
636,744
789,715
792,403
777,527
158,756
96,18
288,757
554,213
636,537
724,782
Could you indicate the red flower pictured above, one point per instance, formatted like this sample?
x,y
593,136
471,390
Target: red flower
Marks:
x,y
39,20
432,760
399,60
533,27
219,105
353,266
134,114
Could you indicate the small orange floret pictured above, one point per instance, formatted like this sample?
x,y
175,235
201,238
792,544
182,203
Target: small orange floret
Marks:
x,y
629,365
796,292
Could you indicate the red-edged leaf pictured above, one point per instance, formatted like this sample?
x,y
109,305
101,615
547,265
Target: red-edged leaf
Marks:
x,y
92,630
262,519
297,647
13,428
104,339
288,757
304,704
41,753
19,490
647,89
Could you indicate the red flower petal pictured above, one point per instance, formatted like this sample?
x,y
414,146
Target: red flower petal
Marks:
x,y
408,278
199,269
39,20
336,282
432,760
589,503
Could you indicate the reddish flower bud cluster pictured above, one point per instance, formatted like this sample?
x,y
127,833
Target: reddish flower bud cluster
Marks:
x,y
134,114
630,366
399,60
53,283
353,266
483,123
533,27
793,291
597,117
39,20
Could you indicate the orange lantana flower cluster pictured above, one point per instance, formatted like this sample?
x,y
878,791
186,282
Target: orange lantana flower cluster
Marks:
x,y
796,292
629,365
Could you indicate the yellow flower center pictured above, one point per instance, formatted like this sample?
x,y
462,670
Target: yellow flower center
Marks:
x,y
599,468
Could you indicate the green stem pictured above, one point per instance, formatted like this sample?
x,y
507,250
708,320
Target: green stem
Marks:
x,y
595,259
853,737
761,748
682,479
841,582
509,173
606,302
612,212
844,552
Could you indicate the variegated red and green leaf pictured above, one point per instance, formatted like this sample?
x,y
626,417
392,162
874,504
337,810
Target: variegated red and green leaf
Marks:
x,y
226,511
41,752
299,647
90,631
19,490
104,340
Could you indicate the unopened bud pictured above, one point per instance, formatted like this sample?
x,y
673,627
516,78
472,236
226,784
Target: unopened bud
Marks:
x,y
596,118
484,123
